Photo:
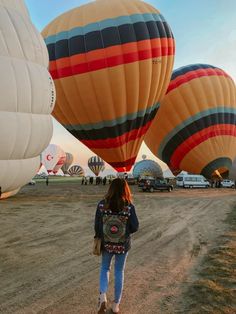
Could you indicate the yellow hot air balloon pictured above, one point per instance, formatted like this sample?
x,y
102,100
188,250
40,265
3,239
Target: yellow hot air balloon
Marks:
x,y
111,61
96,165
195,128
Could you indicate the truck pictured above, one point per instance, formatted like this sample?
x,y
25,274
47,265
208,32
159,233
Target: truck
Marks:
x,y
150,185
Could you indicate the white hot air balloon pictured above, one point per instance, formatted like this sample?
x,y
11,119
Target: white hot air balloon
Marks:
x,y
51,156
68,162
27,97
60,162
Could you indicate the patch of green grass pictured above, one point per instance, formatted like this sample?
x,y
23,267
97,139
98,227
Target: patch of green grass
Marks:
x,y
59,179
215,289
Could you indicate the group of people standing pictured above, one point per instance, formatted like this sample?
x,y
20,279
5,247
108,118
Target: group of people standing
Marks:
x,y
90,180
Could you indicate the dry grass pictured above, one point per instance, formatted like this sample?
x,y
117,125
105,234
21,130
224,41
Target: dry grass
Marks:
x,y
215,289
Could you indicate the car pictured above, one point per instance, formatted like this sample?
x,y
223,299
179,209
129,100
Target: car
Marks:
x,y
227,183
32,182
131,180
157,184
142,180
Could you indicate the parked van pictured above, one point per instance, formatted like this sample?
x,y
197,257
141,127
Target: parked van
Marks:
x,y
192,181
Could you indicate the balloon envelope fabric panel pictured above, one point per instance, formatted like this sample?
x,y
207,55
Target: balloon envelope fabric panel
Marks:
x,y
195,128
27,97
111,61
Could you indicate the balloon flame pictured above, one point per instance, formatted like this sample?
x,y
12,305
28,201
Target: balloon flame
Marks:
x,y
218,174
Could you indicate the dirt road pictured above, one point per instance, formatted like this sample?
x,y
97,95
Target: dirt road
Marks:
x,y
46,237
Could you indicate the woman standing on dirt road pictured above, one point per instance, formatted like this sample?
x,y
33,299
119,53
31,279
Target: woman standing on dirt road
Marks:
x,y
115,220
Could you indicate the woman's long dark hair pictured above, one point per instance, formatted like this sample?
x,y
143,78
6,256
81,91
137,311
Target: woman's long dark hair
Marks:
x,y
118,195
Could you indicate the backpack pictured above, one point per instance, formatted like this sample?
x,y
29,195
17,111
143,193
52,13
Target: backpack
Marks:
x,y
114,229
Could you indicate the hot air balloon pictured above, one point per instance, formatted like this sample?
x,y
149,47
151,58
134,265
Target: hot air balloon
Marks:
x,y
60,162
51,156
27,97
195,128
147,167
76,170
111,61
232,171
96,164
67,163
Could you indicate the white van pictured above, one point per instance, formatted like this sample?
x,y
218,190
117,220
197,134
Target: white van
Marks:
x,y
192,181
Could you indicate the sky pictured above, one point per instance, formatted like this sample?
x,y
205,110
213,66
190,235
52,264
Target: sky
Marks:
x,y
204,31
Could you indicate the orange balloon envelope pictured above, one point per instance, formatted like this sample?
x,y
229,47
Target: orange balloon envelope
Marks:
x,y
195,128
111,61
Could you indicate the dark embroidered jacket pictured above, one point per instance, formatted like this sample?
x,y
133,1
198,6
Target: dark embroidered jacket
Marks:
x,y
121,225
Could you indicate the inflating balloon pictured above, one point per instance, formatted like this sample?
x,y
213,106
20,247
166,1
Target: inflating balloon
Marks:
x,y
147,167
27,97
76,170
67,163
52,156
59,163
111,61
195,128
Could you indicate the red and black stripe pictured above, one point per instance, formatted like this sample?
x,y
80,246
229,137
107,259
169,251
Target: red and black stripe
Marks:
x,y
115,135
123,166
188,73
108,37
215,119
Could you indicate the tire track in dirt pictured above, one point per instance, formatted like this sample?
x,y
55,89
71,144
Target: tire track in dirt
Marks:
x,y
45,249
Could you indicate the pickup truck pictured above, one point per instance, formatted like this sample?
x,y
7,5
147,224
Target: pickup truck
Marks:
x,y
157,184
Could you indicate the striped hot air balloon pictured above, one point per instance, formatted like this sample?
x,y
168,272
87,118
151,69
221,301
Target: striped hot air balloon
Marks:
x,y
195,128
111,61
96,165
76,170
67,163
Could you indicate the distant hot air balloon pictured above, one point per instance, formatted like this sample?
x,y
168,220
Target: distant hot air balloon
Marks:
x,y
76,170
111,61
67,163
51,156
147,167
96,165
60,162
27,97
195,128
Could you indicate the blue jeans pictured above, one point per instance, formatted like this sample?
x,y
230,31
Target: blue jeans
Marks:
x,y
120,260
